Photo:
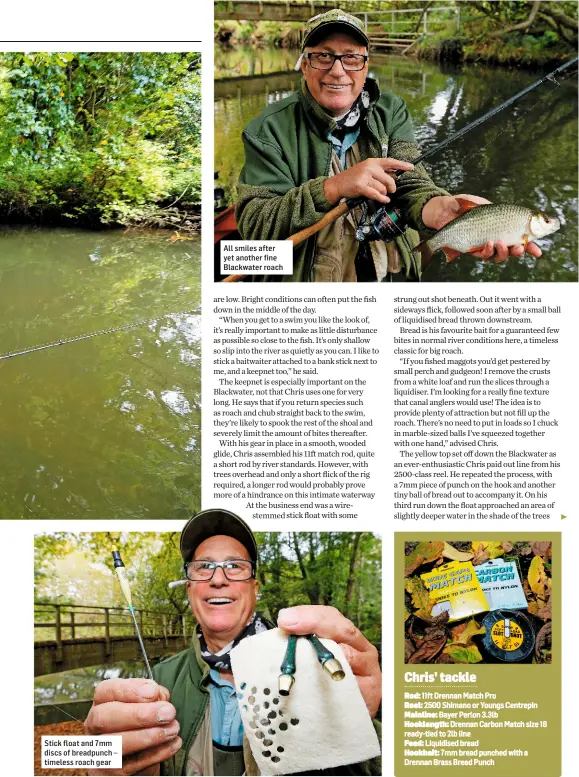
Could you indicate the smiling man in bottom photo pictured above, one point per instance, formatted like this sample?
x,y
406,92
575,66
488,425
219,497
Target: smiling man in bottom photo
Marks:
x,y
188,722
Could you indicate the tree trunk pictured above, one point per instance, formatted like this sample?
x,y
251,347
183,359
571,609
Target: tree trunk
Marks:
x,y
565,21
299,556
559,29
419,22
351,579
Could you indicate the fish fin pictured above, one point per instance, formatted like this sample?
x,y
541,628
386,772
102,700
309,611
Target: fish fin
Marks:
x,y
450,253
466,205
525,241
474,249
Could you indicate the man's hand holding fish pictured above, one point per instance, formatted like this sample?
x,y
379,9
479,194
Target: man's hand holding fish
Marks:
x,y
439,211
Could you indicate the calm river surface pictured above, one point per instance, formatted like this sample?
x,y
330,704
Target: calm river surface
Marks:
x,y
526,155
107,427
79,684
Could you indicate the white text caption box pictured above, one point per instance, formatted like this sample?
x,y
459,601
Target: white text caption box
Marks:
x,y
82,752
251,257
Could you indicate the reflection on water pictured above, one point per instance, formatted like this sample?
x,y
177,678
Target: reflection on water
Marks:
x,y
525,155
79,684
106,427
250,61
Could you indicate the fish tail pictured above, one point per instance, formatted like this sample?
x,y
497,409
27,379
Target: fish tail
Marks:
x,y
451,253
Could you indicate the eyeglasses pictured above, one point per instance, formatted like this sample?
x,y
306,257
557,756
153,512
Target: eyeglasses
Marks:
x,y
234,569
323,60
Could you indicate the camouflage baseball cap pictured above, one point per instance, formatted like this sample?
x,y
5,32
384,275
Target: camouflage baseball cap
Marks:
x,y
334,18
208,523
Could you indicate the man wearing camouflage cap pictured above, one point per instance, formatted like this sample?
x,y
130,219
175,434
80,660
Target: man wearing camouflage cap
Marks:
x,y
340,137
187,720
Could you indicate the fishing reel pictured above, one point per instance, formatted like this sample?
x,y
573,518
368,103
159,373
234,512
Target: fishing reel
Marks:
x,y
386,224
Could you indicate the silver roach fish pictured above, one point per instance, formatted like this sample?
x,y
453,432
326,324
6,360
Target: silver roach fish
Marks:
x,y
471,230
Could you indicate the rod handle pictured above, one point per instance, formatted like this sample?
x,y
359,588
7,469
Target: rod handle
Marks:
x,y
327,218
233,278
304,234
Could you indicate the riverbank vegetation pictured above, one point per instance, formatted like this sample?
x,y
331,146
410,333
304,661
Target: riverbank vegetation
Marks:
x,y
109,138
280,35
512,32
341,569
528,34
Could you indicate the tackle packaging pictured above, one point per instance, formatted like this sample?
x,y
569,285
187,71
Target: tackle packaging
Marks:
x,y
501,584
454,588
509,635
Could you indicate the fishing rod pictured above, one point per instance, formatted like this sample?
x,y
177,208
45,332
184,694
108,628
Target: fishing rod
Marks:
x,y
126,589
387,223
493,112
89,335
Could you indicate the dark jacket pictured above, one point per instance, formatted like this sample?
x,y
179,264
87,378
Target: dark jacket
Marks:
x,y
287,160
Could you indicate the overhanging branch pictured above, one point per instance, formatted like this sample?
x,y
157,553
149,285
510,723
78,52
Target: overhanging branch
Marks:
x,y
522,25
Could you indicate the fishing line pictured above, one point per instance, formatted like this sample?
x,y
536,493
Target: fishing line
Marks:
x,y
121,572
509,125
56,707
88,335
511,122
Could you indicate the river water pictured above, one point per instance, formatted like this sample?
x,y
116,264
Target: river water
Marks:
x,y
79,684
526,155
107,427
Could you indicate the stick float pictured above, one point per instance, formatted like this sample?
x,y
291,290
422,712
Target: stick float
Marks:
x,y
126,589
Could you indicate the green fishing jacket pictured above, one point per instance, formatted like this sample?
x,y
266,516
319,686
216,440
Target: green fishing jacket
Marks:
x,y
186,676
287,159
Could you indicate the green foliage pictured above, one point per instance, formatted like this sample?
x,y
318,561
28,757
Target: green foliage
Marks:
x,y
286,34
488,35
98,138
315,568
338,569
